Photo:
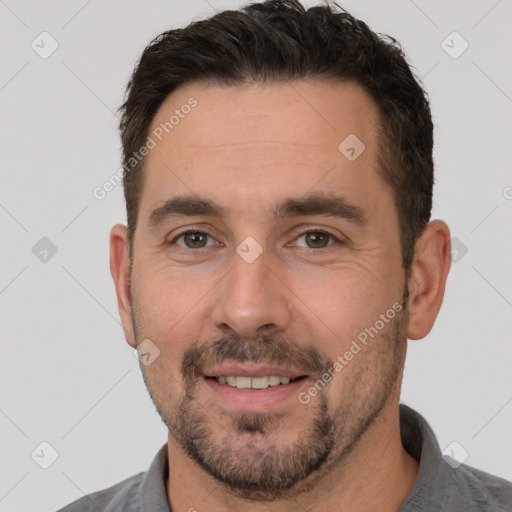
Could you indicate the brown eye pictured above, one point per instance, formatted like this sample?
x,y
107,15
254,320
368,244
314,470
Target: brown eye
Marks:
x,y
316,239
192,240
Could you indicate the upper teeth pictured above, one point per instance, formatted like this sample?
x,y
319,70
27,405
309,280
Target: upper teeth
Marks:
x,y
253,382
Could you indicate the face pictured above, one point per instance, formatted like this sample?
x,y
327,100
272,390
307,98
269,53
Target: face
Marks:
x,y
266,254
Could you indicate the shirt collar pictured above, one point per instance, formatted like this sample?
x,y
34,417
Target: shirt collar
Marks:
x,y
434,472
153,489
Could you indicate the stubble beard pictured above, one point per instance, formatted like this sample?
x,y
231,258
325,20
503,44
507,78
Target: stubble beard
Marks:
x,y
248,460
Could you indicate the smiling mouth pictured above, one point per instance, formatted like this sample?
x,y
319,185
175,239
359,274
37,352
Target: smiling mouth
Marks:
x,y
255,383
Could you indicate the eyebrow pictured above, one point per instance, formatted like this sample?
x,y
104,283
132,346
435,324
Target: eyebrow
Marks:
x,y
329,205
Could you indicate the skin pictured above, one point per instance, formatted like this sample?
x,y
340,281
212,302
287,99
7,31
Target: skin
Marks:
x,y
247,148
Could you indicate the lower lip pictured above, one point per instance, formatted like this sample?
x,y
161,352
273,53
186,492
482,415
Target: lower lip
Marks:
x,y
255,399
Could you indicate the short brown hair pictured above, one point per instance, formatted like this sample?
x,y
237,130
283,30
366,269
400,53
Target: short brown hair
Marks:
x,y
279,40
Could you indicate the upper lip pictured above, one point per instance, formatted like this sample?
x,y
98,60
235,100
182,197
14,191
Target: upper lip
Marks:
x,y
252,370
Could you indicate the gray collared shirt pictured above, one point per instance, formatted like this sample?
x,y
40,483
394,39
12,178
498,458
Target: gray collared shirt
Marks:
x,y
440,486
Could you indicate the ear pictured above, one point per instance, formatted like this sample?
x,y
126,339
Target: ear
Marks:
x,y
432,260
120,270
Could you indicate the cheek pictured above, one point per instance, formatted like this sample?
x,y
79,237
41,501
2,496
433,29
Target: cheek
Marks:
x,y
338,301
167,307
340,307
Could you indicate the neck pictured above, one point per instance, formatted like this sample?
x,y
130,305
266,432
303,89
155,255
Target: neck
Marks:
x,y
378,474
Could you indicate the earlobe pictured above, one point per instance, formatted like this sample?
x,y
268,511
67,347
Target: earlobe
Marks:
x,y
119,268
431,264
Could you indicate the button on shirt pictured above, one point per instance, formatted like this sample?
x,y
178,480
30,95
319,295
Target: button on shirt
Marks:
x,y
441,485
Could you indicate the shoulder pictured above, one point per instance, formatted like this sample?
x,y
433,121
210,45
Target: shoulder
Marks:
x,y
121,496
443,483
485,491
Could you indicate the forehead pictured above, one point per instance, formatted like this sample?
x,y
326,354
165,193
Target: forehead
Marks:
x,y
254,143
300,113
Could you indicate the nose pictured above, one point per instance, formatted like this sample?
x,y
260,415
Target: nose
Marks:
x,y
252,299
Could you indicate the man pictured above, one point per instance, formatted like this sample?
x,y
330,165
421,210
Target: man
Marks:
x,y
278,180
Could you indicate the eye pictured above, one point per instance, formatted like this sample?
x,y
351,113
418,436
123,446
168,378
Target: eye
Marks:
x,y
317,239
193,240
313,239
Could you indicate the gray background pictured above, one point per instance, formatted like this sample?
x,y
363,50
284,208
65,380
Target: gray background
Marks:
x,y
68,376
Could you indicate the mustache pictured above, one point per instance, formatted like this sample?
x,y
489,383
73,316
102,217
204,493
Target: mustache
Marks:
x,y
270,349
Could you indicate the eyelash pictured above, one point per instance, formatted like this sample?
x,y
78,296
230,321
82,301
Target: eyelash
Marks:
x,y
317,231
